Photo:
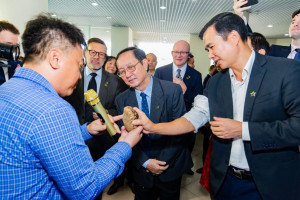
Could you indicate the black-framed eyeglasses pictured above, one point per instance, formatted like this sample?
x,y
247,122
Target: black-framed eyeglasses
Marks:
x,y
129,68
182,53
93,53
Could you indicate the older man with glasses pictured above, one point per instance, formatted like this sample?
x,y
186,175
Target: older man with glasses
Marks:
x,y
107,86
187,77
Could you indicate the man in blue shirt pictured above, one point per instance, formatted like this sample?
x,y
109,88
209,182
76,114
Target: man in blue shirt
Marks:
x,y
43,154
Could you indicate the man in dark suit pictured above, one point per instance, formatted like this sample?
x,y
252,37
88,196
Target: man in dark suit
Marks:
x,y
292,51
255,106
108,86
187,77
158,161
8,35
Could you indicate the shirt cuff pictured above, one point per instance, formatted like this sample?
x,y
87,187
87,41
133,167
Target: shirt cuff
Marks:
x,y
146,163
245,132
84,132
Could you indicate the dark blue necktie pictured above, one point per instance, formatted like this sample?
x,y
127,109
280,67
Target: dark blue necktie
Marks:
x,y
178,73
297,56
145,107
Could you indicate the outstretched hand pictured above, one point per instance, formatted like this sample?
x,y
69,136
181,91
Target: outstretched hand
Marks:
x,y
143,121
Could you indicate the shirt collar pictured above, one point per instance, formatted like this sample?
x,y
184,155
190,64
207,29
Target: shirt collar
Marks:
x,y
293,48
148,90
247,69
88,71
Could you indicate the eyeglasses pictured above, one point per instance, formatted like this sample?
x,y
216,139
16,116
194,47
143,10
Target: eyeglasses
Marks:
x,y
94,53
130,68
182,53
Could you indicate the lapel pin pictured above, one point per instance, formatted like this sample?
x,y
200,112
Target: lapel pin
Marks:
x,y
253,94
106,84
157,107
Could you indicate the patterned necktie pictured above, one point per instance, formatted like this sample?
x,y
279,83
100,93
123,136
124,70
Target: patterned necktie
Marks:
x,y
178,73
145,137
145,107
297,56
88,109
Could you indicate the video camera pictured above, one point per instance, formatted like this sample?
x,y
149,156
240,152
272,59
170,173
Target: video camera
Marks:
x,y
9,52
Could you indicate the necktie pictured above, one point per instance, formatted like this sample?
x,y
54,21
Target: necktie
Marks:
x,y
92,83
88,108
145,108
297,56
178,73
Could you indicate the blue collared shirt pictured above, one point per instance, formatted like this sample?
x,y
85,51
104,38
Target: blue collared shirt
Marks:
x,y
42,149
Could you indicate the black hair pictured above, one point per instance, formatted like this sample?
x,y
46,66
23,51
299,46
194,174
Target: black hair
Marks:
x,y
258,41
139,54
45,32
6,26
295,13
224,23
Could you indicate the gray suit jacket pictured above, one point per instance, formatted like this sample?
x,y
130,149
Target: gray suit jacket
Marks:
x,y
272,110
167,104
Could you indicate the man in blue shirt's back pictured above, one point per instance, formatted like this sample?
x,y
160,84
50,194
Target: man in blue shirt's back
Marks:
x,y
42,149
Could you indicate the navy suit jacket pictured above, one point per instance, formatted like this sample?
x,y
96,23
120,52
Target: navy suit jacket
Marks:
x,y
280,51
192,79
272,109
167,104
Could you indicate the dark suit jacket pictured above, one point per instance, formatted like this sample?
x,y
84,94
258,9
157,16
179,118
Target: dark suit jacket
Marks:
x,y
273,114
166,105
280,51
111,85
11,71
192,80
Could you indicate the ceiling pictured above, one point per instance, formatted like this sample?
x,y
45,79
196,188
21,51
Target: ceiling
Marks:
x,y
180,18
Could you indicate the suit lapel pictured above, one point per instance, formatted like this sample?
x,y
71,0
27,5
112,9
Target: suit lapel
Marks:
x,y
103,89
80,90
187,74
256,77
131,99
157,101
227,94
169,73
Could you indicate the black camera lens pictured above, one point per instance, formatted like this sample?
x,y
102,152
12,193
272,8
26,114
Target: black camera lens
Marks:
x,y
9,52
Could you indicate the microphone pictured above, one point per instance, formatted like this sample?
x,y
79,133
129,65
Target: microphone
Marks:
x,y
93,100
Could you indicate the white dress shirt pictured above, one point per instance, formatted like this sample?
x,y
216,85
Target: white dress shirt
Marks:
x,y
199,114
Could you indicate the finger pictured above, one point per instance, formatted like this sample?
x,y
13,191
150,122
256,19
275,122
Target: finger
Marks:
x,y
139,112
146,132
161,162
117,128
117,118
95,116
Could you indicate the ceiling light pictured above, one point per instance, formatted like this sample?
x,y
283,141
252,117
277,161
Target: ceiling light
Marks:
x,y
107,31
53,15
163,7
270,26
95,4
162,20
108,17
286,34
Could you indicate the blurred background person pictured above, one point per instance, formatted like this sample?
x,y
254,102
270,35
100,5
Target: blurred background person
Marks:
x,y
152,62
259,43
9,34
110,65
191,60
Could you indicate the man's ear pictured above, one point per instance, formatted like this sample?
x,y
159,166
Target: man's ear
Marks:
x,y
54,57
234,37
262,51
145,64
